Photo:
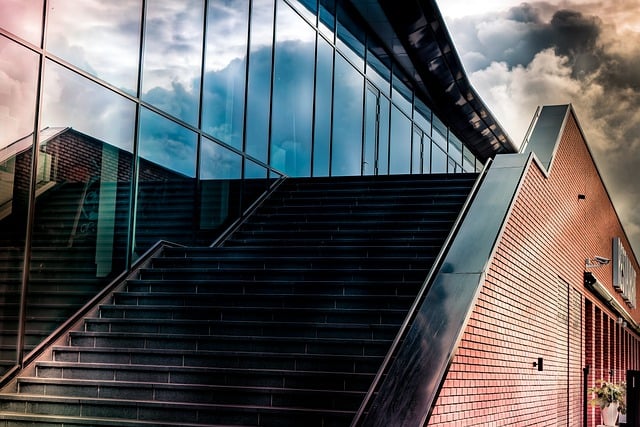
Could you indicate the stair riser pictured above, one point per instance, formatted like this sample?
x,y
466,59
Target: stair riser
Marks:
x,y
253,345
351,288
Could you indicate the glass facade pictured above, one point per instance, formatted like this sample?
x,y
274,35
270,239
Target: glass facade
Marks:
x,y
128,122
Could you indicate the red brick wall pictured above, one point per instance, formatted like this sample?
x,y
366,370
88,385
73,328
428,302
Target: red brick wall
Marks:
x,y
534,304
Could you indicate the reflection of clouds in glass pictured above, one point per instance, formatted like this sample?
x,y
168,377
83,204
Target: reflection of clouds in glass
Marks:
x,y
291,26
173,54
18,73
100,37
218,163
177,101
223,103
225,72
173,43
226,33
71,100
167,143
22,18
261,19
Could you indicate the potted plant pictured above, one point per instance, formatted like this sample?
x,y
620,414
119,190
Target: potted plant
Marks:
x,y
610,397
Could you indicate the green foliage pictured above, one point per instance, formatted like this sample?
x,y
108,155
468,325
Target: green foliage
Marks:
x,y
607,392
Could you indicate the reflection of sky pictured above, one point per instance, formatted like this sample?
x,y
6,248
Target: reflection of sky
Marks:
x,y
173,55
173,44
167,143
18,72
219,163
103,39
71,100
226,33
23,18
100,37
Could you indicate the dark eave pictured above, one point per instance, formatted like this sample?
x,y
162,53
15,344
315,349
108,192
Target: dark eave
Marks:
x,y
415,33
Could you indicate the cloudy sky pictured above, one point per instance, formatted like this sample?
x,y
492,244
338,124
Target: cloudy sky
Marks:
x,y
519,55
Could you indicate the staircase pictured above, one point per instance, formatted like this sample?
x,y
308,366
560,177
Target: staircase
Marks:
x,y
286,324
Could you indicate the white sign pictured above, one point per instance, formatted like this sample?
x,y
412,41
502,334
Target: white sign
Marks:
x,y
624,275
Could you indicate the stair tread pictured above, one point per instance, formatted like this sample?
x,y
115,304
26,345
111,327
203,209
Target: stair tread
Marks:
x,y
123,402
66,421
203,353
202,387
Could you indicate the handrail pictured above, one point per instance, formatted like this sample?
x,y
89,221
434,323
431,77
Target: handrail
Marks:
x,y
247,213
419,298
118,282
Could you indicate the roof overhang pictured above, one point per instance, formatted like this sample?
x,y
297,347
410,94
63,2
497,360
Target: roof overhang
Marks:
x,y
415,34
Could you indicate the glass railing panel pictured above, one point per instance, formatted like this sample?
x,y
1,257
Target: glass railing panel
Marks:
x,y
17,112
166,193
81,212
220,189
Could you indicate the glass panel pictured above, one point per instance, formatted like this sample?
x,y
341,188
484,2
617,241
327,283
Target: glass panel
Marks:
x,y
259,85
347,119
455,148
468,160
102,38
327,18
173,57
256,182
220,188
380,82
416,156
292,118
439,133
22,18
83,184
401,95
350,39
225,71
439,138
426,154
322,131
254,170
400,157
378,71
383,136
19,71
453,166
370,132
438,159
422,116
166,182
307,8
72,101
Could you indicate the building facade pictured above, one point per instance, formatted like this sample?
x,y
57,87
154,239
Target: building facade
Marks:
x,y
132,122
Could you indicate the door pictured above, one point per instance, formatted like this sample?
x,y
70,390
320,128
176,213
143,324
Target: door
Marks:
x,y
633,399
371,132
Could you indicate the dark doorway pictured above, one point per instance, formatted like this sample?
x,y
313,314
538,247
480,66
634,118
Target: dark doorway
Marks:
x,y
633,399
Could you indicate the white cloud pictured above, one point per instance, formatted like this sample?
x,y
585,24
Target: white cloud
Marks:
x,y
18,71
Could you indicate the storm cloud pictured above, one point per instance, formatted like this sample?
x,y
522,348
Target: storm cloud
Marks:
x,y
586,54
